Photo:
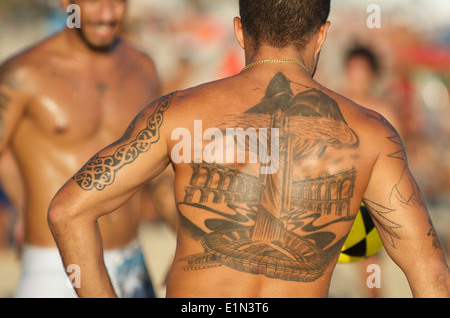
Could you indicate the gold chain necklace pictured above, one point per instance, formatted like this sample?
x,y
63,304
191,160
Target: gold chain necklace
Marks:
x,y
274,61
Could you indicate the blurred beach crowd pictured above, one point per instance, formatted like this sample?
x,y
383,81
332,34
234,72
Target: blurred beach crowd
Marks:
x,y
192,41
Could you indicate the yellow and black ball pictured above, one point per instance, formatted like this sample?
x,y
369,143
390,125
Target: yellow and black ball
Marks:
x,y
362,241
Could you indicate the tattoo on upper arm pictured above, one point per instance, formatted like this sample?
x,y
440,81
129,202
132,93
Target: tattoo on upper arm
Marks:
x,y
100,172
432,233
7,77
7,80
400,153
386,226
405,192
4,101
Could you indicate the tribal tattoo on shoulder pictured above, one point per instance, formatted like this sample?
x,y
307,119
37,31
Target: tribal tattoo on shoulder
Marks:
x,y
100,172
281,225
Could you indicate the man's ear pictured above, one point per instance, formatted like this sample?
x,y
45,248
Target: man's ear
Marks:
x,y
322,36
238,31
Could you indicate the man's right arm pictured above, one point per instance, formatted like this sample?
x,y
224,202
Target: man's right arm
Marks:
x,y
398,209
100,187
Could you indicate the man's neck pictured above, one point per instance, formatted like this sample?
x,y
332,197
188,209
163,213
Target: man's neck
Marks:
x,y
268,53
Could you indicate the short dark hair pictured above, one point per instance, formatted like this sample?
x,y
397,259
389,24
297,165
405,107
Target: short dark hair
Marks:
x,y
282,23
366,53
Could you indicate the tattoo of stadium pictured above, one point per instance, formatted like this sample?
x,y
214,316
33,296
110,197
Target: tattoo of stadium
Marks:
x,y
279,225
99,172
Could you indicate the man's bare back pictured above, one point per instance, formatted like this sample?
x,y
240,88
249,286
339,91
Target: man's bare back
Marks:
x,y
234,230
273,235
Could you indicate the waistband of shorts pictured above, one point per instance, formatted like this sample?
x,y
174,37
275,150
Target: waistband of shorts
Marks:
x,y
132,246
35,257
49,257
119,255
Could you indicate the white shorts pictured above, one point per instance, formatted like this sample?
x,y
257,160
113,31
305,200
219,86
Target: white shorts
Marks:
x,y
43,275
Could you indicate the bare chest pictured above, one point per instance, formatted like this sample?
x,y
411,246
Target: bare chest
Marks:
x,y
75,104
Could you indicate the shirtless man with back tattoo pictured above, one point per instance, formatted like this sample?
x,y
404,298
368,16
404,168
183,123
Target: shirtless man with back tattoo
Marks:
x,y
270,171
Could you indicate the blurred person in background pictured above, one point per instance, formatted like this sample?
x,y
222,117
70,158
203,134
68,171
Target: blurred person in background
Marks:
x,y
245,230
61,100
363,74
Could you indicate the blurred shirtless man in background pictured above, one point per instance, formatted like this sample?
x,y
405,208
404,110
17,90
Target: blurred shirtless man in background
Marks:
x,y
61,101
